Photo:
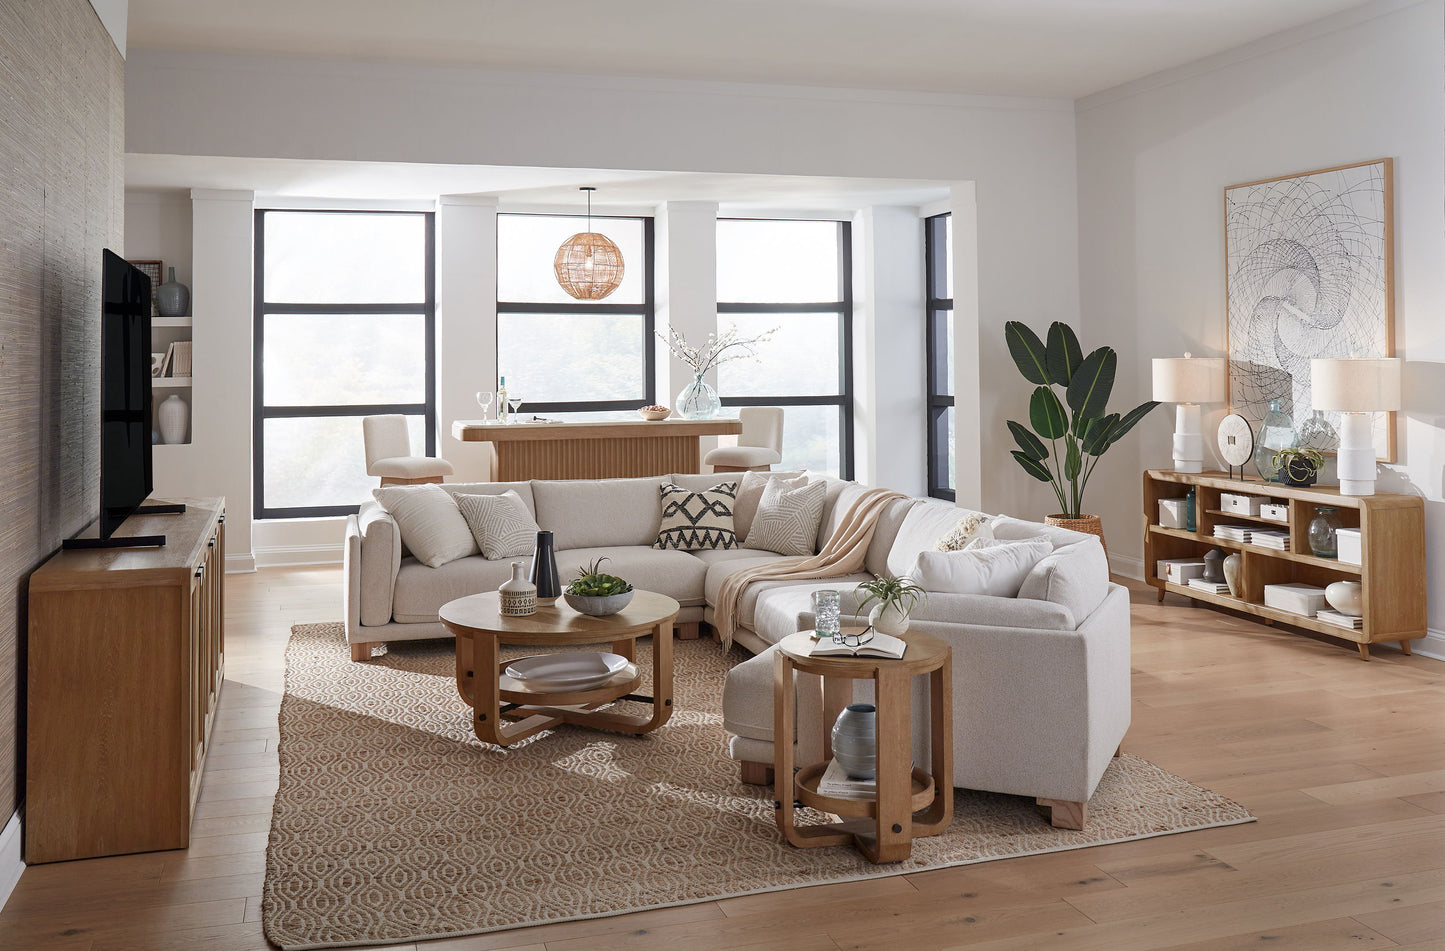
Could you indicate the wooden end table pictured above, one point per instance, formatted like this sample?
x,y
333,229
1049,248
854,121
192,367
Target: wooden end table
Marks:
x,y
480,629
903,790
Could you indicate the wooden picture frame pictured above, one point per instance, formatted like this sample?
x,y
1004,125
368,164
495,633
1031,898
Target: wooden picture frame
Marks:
x,y
1309,272
154,271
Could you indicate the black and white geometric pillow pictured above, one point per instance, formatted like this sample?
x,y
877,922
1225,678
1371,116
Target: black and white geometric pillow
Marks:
x,y
697,520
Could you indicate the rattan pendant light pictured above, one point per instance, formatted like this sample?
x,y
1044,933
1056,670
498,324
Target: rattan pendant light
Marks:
x,y
588,265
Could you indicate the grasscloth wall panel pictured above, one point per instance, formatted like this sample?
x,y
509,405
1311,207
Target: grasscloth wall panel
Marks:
x,y
62,141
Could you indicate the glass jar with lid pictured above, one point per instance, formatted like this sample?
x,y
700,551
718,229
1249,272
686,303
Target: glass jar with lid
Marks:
x,y
1322,532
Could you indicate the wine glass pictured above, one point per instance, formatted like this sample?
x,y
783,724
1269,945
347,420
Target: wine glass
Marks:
x,y
515,402
485,398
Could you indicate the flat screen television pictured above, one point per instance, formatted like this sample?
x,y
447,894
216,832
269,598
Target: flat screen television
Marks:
x,y
125,391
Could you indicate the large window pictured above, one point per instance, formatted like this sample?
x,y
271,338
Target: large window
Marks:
x,y
564,356
795,276
345,317
938,268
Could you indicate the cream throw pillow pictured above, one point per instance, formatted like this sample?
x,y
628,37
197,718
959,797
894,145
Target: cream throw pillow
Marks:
x,y
997,570
750,493
787,518
501,524
970,528
432,527
692,521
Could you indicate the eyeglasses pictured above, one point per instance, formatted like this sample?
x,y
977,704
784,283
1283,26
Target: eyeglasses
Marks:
x,y
854,640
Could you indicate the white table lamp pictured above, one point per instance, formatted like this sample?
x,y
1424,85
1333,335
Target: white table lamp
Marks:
x,y
1357,387
1188,381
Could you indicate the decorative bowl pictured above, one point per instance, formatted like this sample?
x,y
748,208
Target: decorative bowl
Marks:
x,y
654,412
594,606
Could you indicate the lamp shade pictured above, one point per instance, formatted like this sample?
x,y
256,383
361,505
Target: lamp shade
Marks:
x,y
1189,379
1355,384
588,266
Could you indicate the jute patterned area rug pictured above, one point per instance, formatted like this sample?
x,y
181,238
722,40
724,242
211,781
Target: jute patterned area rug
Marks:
x,y
393,823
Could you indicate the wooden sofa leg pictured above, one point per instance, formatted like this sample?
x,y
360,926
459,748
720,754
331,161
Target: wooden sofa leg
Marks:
x,y
360,652
686,631
757,774
1065,814
1119,751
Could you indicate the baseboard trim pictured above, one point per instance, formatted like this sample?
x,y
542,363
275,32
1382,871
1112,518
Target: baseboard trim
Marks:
x,y
1127,566
240,564
11,862
1432,645
284,555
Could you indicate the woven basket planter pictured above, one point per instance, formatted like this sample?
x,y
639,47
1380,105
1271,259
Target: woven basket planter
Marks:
x,y
1088,524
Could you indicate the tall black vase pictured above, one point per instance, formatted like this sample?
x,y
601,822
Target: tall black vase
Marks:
x,y
544,568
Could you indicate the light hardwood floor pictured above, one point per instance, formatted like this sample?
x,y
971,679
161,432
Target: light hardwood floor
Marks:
x,y
1342,761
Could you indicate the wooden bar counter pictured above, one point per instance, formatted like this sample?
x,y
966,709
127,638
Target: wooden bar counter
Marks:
x,y
602,450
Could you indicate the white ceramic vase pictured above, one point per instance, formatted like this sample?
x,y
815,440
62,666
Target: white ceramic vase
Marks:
x,y
888,618
173,415
518,595
1344,597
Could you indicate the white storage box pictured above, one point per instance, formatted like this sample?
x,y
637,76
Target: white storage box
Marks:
x,y
1237,504
1347,544
1171,513
1274,511
1179,570
1299,598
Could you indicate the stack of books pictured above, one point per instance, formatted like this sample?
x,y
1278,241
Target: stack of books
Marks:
x,y
1211,586
1343,620
834,782
1238,533
1269,538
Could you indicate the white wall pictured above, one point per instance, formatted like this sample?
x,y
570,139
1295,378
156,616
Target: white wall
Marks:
x,y
1154,158
1019,153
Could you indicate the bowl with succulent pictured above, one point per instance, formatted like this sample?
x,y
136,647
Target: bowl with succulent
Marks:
x,y
597,594
654,412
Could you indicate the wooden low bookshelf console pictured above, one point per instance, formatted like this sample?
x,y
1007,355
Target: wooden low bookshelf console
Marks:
x,y
126,658
1392,543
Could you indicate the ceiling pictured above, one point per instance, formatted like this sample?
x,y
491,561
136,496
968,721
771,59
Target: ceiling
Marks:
x,y
1052,48
618,191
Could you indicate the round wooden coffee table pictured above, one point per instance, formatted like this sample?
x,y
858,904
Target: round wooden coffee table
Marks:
x,y
505,711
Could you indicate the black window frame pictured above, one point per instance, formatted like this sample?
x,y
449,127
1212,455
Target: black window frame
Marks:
x,y
262,412
843,307
938,315
647,310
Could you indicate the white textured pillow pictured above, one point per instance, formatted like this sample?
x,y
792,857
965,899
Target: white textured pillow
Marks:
x,y
971,528
787,518
997,570
750,493
432,527
501,524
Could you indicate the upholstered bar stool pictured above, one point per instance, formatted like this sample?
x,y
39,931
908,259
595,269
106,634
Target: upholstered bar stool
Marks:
x,y
388,453
760,445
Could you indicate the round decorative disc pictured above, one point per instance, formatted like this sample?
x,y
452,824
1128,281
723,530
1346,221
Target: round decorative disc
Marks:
x,y
1236,440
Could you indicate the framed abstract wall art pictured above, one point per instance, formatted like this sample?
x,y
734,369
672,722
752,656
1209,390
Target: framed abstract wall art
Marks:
x,y
1309,271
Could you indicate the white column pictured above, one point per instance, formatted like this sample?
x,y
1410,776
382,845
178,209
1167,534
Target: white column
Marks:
x,y
967,419
466,325
686,247
890,410
219,456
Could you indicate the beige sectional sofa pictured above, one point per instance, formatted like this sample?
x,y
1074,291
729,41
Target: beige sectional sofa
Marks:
x,y
1040,681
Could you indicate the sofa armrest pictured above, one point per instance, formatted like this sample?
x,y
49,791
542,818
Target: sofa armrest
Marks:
x,y
379,558
989,611
351,577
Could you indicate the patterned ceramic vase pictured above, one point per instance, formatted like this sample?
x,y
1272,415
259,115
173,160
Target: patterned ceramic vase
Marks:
x,y
855,740
519,596
544,569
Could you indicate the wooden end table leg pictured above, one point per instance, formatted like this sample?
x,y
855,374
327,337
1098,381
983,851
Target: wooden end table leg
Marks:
x,y
939,814
895,774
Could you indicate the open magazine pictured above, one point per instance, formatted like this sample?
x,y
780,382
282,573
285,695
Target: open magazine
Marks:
x,y
876,645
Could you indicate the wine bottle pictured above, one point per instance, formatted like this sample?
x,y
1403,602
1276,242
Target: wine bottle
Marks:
x,y
502,400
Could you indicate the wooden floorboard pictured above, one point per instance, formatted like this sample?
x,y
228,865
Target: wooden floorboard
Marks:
x,y
1342,761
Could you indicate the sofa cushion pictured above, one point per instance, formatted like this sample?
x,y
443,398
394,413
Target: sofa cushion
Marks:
x,y
886,532
501,524
833,514
421,591
750,493
720,564
926,522
697,519
676,574
523,490
431,525
995,570
599,513
787,519
1075,576
778,607
1008,528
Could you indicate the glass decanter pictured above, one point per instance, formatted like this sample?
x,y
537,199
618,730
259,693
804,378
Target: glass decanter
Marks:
x,y
1322,532
1275,433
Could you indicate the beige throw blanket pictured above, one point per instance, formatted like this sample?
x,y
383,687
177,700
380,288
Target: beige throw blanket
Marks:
x,y
843,555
